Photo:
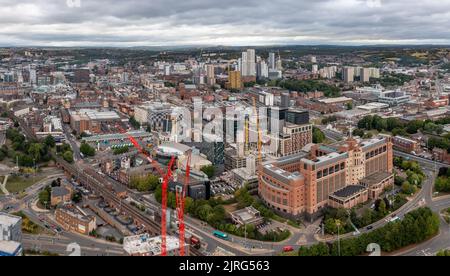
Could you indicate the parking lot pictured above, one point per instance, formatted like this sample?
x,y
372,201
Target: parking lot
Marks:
x,y
221,188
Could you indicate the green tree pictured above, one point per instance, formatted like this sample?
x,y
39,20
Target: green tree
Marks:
x,y
87,150
318,136
209,170
68,156
50,141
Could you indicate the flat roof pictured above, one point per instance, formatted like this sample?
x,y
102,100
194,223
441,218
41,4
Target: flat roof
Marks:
x,y
8,220
335,100
376,178
9,247
348,191
144,244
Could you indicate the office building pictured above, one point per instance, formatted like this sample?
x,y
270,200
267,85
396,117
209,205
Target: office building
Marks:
x,y
10,228
303,184
72,218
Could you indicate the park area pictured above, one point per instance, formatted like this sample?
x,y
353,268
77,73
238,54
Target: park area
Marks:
x,y
18,184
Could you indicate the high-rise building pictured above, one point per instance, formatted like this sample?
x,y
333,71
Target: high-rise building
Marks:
x,y
315,68
272,61
32,74
365,75
210,74
374,73
248,64
234,80
262,70
313,59
348,73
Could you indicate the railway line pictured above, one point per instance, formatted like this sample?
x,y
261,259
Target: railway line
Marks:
x,y
91,179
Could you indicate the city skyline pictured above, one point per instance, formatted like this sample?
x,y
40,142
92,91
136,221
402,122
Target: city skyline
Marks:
x,y
62,23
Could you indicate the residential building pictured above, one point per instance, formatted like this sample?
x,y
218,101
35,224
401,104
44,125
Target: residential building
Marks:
x,y
235,80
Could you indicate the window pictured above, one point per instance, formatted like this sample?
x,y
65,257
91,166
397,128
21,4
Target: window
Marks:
x,y
342,166
336,168
325,172
319,175
331,170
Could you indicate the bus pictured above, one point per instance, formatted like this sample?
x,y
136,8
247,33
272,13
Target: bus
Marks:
x,y
220,235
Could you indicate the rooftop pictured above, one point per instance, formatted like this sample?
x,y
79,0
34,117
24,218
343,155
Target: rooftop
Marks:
x,y
8,220
349,191
145,245
376,178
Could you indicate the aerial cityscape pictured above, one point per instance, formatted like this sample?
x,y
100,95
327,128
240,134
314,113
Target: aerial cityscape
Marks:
x,y
232,130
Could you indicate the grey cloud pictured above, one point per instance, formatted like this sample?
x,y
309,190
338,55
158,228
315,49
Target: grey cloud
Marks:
x,y
235,22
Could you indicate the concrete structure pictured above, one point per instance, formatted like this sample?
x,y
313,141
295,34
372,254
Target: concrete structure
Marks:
x,y
10,228
10,249
300,185
144,245
247,216
394,98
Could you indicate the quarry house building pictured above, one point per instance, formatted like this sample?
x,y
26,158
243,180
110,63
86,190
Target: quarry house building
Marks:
x,y
342,175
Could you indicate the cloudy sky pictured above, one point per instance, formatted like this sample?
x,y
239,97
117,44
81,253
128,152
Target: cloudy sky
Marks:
x,y
222,22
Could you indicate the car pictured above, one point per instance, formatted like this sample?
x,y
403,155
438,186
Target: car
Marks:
x,y
369,227
287,249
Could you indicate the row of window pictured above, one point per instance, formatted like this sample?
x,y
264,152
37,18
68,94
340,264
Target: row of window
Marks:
x,y
376,152
328,171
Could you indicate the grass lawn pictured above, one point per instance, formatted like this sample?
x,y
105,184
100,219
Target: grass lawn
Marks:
x,y
18,184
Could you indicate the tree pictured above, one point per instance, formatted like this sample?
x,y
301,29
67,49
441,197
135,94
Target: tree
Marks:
x,y
44,196
77,197
331,226
318,136
135,123
50,141
382,208
87,150
209,170
358,132
68,156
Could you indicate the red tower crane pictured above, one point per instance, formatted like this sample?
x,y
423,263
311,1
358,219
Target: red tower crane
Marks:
x,y
181,200
165,185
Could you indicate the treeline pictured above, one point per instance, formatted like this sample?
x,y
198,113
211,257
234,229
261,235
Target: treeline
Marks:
x,y
417,226
27,153
392,80
414,175
305,86
397,127
442,183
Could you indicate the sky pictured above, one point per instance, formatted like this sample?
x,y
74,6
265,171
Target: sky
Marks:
x,y
127,23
